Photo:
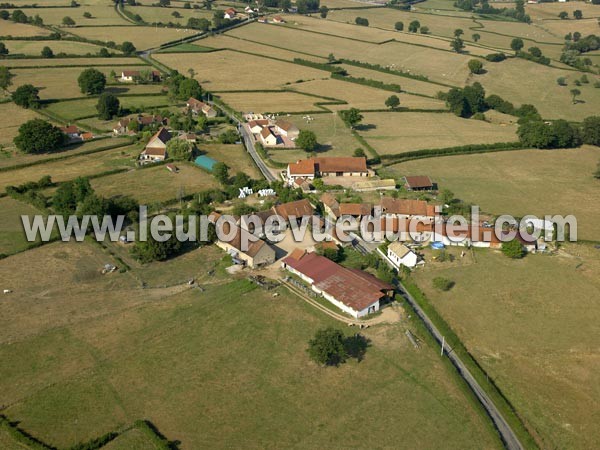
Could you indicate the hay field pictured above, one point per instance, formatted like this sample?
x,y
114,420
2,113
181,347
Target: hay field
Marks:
x,y
225,41
550,10
258,73
58,62
155,184
522,182
235,156
113,352
12,237
104,14
35,48
521,82
153,14
78,166
363,97
74,109
13,117
562,27
142,37
262,102
401,132
10,28
534,333
56,83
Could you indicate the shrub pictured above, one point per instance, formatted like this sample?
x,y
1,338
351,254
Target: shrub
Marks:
x,y
443,284
513,249
495,57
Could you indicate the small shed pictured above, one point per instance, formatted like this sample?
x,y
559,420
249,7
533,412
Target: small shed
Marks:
x,y
205,162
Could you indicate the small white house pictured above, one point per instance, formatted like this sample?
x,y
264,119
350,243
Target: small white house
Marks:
x,y
267,137
401,255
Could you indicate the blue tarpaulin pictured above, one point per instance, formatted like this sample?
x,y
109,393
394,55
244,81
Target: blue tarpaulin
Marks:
x,y
205,162
437,245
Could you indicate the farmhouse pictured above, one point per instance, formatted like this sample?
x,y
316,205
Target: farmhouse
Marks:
x,y
196,107
327,166
230,13
156,149
287,129
401,255
256,126
356,210
71,131
123,125
278,19
419,209
135,75
268,138
353,291
330,205
418,183
258,253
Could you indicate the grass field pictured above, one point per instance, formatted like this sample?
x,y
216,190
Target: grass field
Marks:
x,y
12,237
56,83
562,27
235,156
259,73
550,10
10,28
391,133
97,375
13,117
522,182
364,97
74,109
71,168
152,14
534,333
35,47
261,102
104,14
156,184
142,37
57,62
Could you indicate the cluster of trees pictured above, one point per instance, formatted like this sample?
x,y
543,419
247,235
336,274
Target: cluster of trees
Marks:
x,y
495,57
533,53
361,21
182,88
91,81
560,133
108,106
330,347
351,117
37,136
483,7
575,46
306,6
3,50
19,16
27,96
5,77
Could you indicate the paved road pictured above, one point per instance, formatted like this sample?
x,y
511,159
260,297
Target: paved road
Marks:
x,y
249,144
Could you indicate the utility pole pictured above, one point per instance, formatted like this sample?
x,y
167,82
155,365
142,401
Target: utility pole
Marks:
x,y
443,342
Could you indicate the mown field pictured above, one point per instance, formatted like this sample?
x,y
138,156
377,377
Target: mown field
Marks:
x,y
235,156
102,14
74,109
391,133
34,48
97,376
12,237
58,62
10,28
13,117
153,14
263,102
259,73
522,182
155,184
74,167
142,37
58,82
534,333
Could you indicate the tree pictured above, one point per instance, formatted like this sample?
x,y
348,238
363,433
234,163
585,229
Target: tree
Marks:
x,y
104,53
229,137
575,93
176,14
475,66
200,24
392,102
5,76
424,30
27,96
153,250
351,117
19,16
359,153
187,5
3,50
128,48
576,36
513,249
164,3
476,37
179,149
323,11
70,194
189,88
108,106
67,21
47,52
4,14
535,51
457,44
578,14
458,32
87,15
563,15
91,81
517,44
221,172
327,347
590,130
361,21
414,26
331,58
443,284
37,135
562,81
307,140
399,26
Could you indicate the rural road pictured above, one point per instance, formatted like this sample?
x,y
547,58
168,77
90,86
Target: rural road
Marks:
x,y
508,436
249,144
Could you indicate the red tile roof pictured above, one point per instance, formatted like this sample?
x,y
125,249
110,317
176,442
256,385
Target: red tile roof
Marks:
x,y
355,209
329,165
391,205
302,167
420,181
71,129
155,151
298,209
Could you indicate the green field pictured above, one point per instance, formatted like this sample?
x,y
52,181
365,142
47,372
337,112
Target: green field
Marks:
x,y
74,109
12,237
235,156
97,376
34,48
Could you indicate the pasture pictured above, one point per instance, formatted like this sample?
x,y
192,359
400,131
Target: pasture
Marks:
x,y
545,11
234,156
522,182
259,73
74,109
77,166
534,333
58,62
12,237
142,37
562,27
262,102
155,184
10,28
391,133
97,377
152,14
13,117
103,14
34,48
57,83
